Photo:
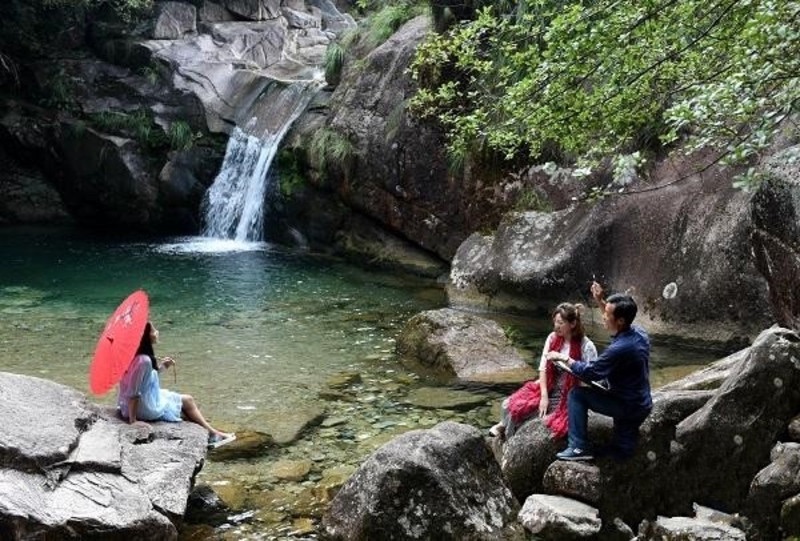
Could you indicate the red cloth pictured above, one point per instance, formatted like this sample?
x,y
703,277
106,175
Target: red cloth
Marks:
x,y
525,401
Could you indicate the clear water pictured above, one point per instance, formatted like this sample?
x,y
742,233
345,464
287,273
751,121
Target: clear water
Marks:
x,y
257,332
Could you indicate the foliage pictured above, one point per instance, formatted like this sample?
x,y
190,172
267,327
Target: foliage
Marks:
x,y
598,78
382,21
530,199
289,175
385,22
180,135
138,125
328,148
59,91
334,61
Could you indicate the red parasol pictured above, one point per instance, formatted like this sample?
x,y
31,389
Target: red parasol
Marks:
x,y
118,342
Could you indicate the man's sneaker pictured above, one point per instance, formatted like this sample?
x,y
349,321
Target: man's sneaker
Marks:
x,y
574,454
498,431
218,440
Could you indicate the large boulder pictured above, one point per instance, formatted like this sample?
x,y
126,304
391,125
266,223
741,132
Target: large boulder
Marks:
x,y
441,483
526,455
679,246
70,469
454,343
776,242
773,486
739,425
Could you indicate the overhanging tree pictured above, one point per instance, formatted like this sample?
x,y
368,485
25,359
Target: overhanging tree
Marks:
x,y
597,78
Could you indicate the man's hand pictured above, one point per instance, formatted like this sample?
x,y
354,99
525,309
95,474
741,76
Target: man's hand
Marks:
x,y
597,293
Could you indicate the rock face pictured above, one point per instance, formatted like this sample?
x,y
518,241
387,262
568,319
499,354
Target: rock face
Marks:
x,y
441,483
144,110
680,248
397,177
69,469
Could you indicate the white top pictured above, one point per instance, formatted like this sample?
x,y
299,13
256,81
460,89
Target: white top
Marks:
x,y
588,350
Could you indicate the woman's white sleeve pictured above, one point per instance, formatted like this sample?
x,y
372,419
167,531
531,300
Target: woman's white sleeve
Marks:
x,y
545,350
588,350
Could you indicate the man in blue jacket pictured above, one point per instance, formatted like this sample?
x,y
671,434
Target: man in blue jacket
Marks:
x,y
625,366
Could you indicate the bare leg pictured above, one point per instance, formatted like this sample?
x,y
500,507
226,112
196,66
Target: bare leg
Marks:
x,y
192,412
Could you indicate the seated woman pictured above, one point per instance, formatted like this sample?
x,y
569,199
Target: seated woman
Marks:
x,y
141,397
547,396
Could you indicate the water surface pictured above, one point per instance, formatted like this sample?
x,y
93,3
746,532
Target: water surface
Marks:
x,y
257,332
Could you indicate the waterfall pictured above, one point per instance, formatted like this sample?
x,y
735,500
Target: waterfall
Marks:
x,y
234,204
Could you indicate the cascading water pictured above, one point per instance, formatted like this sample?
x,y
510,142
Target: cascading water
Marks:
x,y
234,204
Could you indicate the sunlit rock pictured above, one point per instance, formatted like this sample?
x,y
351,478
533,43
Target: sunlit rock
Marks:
x,y
69,468
555,517
454,343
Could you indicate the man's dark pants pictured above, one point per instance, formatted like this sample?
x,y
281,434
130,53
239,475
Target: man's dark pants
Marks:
x,y
626,419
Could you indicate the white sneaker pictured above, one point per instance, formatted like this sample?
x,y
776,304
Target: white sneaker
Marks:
x,y
218,440
498,430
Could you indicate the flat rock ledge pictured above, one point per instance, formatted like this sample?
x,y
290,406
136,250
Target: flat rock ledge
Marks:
x,y
70,469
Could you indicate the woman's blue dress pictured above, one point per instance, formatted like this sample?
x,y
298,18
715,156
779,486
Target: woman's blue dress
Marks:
x,y
155,403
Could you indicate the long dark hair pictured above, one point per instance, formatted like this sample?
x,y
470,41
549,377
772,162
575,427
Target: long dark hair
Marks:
x,y
146,345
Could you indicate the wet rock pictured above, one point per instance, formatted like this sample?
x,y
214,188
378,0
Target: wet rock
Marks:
x,y
333,396
332,480
794,429
290,426
302,526
333,421
291,470
454,343
26,195
790,516
443,398
205,506
248,444
343,380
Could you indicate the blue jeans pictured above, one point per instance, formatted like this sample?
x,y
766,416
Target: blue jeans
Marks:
x,y
626,420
